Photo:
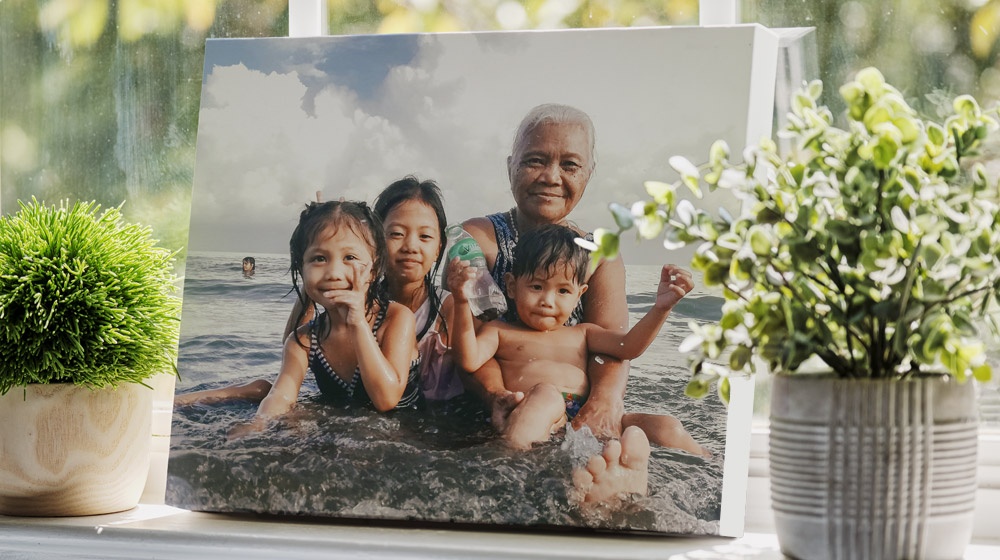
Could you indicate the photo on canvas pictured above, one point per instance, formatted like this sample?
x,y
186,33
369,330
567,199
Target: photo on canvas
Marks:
x,y
285,122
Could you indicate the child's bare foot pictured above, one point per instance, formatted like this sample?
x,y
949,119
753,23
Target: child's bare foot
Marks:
x,y
666,431
501,405
622,468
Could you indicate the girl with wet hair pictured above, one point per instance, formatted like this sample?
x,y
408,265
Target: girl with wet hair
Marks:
x,y
361,350
413,217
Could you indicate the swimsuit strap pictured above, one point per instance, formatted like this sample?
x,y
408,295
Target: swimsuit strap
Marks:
x,y
432,314
316,355
411,393
506,235
379,317
349,387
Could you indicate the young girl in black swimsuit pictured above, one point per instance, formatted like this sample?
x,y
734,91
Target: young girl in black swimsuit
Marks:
x,y
362,350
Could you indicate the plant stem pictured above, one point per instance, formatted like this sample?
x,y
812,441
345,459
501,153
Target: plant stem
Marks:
x,y
904,301
832,359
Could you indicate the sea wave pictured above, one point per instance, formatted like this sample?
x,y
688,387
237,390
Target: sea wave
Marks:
x,y
441,463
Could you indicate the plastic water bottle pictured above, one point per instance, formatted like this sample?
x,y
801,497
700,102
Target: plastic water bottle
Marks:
x,y
485,298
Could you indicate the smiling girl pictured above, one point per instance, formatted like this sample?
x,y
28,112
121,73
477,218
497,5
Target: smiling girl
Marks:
x,y
412,214
362,349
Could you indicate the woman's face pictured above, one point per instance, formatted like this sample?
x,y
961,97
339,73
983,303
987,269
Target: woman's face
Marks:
x,y
550,172
413,237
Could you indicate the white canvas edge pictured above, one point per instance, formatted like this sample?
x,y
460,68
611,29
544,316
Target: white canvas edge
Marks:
x,y
736,471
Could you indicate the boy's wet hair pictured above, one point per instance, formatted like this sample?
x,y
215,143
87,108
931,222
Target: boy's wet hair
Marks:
x,y
356,216
546,249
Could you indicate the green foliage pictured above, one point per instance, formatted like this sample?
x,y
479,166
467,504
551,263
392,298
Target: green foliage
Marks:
x,y
872,248
84,298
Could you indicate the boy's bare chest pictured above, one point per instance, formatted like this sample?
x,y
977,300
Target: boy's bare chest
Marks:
x,y
566,345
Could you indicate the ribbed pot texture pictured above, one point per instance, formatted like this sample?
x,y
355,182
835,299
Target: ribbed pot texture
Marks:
x,y
873,469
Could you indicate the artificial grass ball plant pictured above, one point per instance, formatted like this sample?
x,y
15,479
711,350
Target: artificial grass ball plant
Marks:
x,y
85,298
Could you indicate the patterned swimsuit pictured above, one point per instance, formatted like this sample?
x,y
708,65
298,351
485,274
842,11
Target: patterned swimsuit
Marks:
x,y
334,388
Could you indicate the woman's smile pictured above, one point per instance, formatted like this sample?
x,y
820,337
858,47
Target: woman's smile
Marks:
x,y
546,194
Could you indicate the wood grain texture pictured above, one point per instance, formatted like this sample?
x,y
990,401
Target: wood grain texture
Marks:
x,y
68,450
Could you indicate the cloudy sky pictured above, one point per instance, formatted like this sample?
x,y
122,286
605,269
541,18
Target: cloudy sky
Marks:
x,y
282,118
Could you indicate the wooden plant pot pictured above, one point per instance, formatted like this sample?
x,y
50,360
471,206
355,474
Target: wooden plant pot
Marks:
x,y
873,469
67,450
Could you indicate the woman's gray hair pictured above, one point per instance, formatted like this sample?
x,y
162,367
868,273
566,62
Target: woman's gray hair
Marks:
x,y
556,114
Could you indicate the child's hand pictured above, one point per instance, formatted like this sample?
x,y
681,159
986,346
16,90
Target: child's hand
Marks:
x,y
245,429
460,274
351,302
675,283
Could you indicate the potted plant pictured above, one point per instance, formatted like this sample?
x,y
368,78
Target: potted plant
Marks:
x,y
861,271
88,312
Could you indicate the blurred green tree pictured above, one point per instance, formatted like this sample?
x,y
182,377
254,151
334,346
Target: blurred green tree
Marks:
x,y
99,98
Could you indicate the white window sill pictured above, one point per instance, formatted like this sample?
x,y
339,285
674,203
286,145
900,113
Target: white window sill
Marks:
x,y
162,532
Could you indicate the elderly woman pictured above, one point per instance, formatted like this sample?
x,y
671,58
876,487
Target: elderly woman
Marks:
x,y
551,162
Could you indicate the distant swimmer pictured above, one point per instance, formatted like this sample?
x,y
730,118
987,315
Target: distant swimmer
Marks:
x,y
249,266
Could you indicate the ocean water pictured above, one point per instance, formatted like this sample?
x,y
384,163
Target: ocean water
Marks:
x,y
439,463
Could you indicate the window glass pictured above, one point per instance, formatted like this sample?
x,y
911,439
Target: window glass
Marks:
x,y
99,98
929,49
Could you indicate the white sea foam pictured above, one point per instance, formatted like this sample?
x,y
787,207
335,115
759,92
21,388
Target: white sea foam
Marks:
x,y
581,444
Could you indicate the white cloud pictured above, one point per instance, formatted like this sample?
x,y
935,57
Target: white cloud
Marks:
x,y
449,115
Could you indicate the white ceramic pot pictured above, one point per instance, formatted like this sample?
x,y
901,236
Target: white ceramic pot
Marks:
x,y
69,450
873,469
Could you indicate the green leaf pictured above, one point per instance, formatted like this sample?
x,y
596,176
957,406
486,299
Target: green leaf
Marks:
x,y
872,80
622,215
842,231
739,358
768,215
718,154
662,193
652,222
936,134
688,172
908,129
724,390
701,382
815,89
966,106
801,101
760,241
715,274
607,246
884,152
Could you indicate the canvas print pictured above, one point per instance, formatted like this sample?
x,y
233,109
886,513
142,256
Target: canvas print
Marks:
x,y
321,355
